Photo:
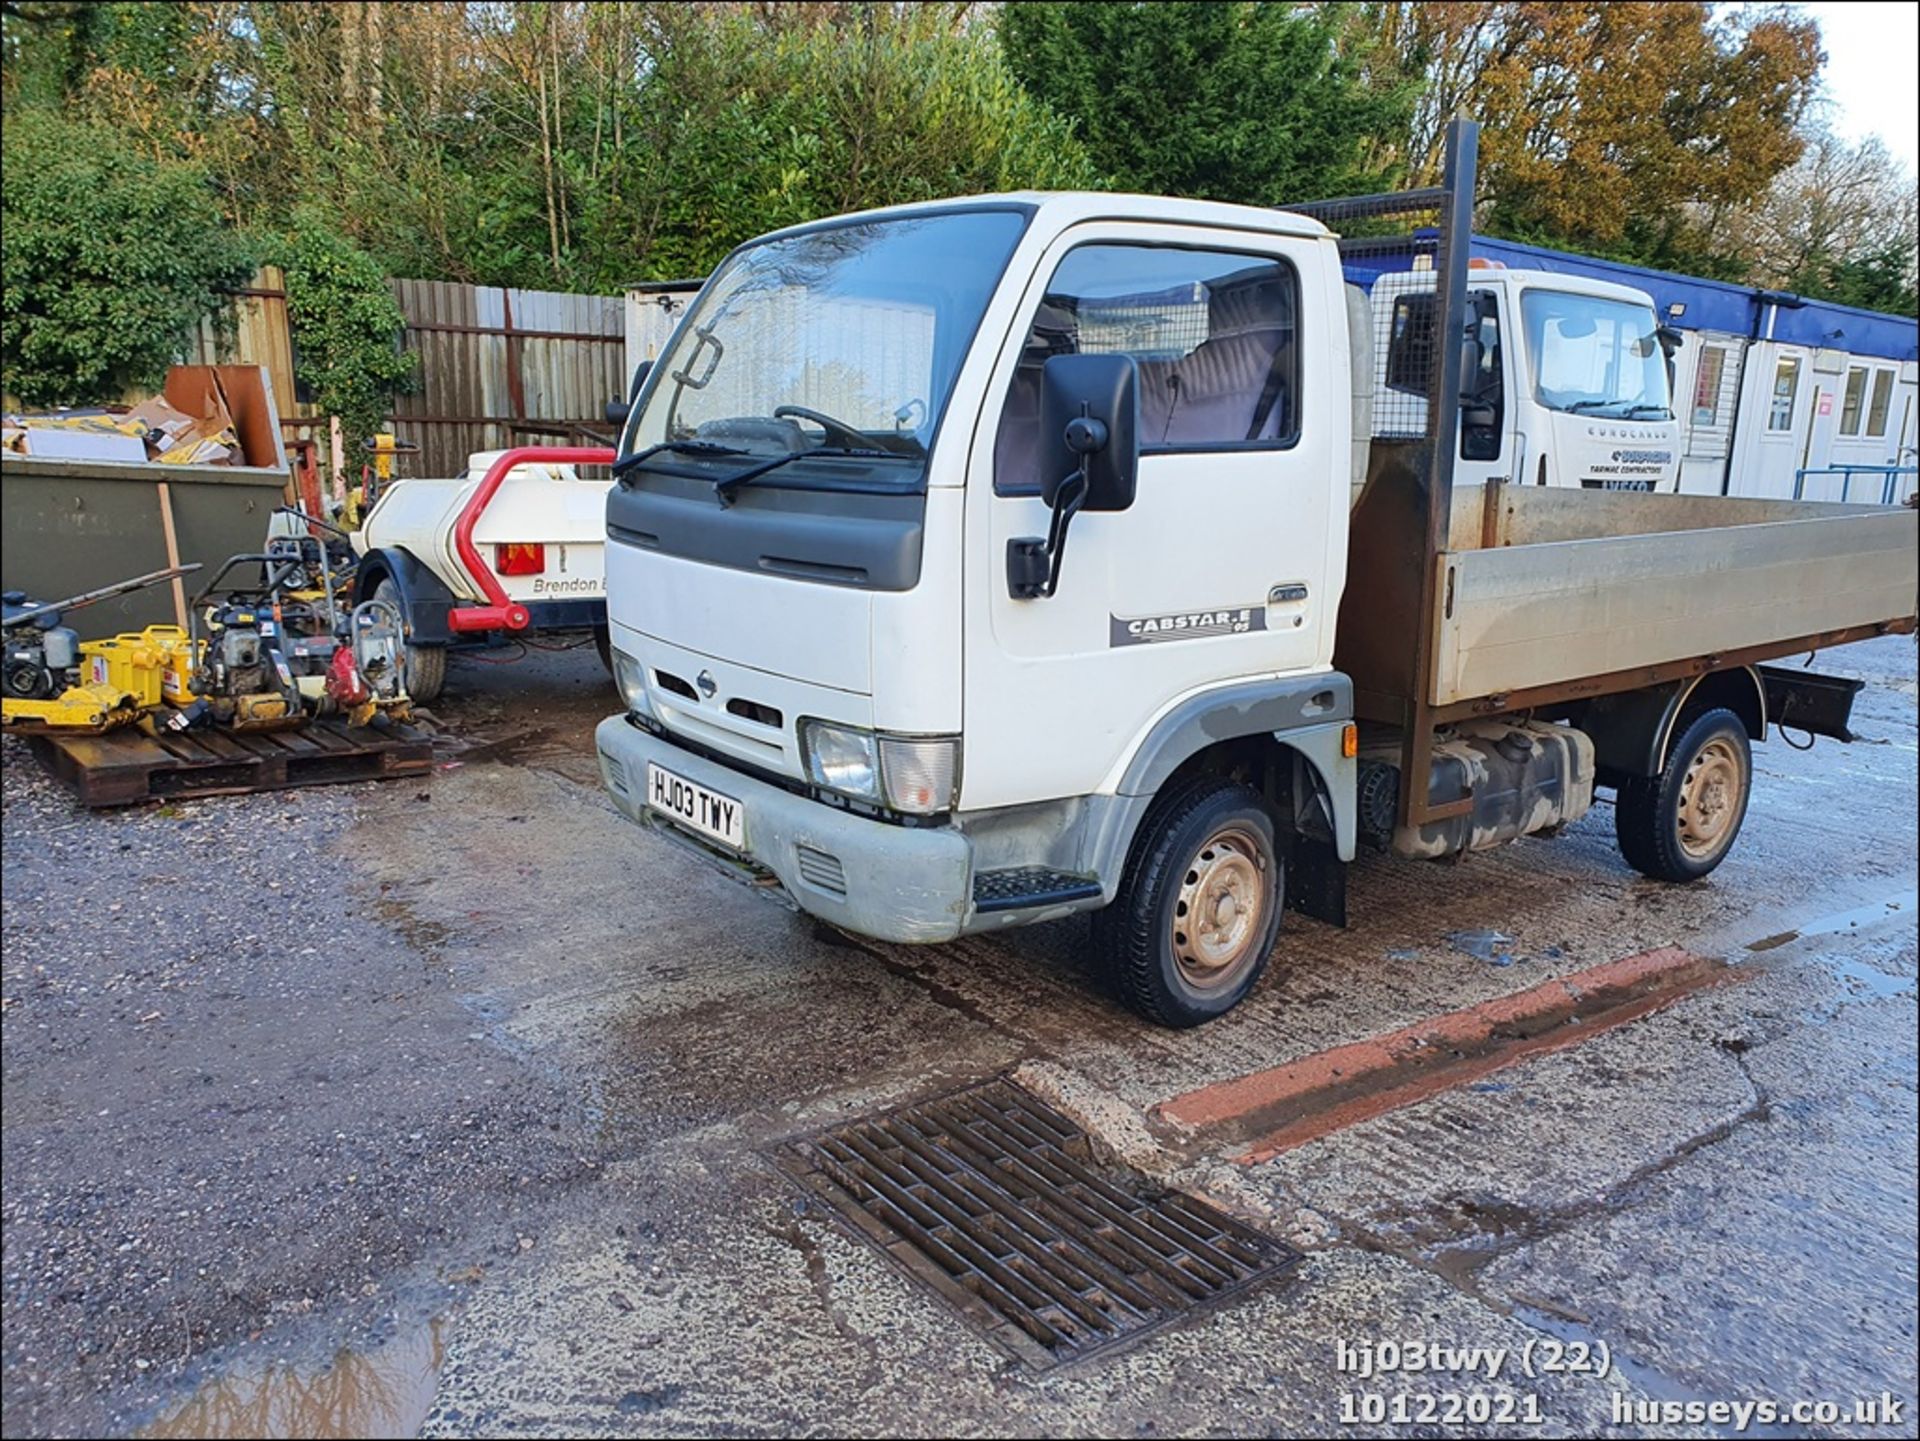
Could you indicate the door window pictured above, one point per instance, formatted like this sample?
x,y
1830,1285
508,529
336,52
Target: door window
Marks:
x,y
1212,333
1786,384
1855,399
1882,399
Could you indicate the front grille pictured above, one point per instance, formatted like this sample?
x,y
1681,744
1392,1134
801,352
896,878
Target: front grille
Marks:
x,y
821,870
993,1200
669,682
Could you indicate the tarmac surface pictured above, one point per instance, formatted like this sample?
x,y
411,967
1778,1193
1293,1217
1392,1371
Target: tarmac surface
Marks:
x,y
451,1106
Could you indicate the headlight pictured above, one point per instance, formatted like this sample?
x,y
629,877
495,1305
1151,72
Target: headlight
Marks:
x,y
911,774
841,758
631,677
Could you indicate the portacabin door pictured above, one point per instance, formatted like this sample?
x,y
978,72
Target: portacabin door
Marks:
x,y
1229,562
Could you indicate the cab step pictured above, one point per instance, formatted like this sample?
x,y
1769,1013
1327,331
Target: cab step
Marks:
x,y
1026,886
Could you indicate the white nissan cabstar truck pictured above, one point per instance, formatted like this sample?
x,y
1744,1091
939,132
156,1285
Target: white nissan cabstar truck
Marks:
x,y
978,563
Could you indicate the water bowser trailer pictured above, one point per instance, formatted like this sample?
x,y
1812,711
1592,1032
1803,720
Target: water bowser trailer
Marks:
x,y
511,548
977,563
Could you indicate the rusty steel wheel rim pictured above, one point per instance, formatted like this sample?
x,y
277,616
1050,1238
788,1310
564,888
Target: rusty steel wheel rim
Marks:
x,y
1221,909
1712,795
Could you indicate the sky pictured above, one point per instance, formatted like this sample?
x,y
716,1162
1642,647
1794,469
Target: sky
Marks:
x,y
1873,72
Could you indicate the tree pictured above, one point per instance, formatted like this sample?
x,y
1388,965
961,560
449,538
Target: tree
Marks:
x,y
345,326
1840,225
1245,102
110,259
1628,129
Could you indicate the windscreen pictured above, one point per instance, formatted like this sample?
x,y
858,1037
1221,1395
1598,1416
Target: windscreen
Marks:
x,y
844,335
1593,355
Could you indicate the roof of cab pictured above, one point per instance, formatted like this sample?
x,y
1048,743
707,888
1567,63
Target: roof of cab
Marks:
x,y
1068,207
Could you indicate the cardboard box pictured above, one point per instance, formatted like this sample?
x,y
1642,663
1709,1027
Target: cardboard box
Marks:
x,y
165,426
68,443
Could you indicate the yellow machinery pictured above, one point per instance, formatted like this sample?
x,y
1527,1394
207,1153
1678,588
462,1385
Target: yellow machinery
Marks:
x,y
150,666
45,684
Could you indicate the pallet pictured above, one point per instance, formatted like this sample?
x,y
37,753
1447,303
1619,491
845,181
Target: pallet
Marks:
x,y
122,767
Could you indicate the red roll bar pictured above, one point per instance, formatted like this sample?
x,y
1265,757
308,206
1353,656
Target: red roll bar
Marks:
x,y
501,613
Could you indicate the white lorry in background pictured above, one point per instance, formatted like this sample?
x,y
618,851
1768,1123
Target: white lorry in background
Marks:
x,y
978,563
1573,387
515,546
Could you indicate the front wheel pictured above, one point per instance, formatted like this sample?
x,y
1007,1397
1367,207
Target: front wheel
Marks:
x,y
1198,911
1680,824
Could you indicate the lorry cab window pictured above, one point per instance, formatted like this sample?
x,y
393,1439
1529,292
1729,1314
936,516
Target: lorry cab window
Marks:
x,y
1592,355
840,339
1212,333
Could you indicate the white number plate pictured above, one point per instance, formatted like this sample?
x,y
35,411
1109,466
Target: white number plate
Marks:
x,y
717,817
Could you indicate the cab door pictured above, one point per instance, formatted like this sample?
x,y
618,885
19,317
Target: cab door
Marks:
x,y
1229,562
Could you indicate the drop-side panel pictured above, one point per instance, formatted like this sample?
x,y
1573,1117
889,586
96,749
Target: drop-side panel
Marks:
x,y
1525,616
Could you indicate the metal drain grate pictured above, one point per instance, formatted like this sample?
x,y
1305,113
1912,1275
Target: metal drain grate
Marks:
x,y
993,1200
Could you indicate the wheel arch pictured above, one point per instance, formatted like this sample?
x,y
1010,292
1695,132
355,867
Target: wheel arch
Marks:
x,y
1284,736
423,595
1633,731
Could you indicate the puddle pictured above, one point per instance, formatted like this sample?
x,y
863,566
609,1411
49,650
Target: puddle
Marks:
x,y
1875,983
1841,921
1651,1382
384,1392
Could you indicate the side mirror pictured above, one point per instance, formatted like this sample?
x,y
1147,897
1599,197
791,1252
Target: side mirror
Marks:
x,y
1090,426
1089,454
619,410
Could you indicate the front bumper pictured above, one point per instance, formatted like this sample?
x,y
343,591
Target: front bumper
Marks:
x,y
894,883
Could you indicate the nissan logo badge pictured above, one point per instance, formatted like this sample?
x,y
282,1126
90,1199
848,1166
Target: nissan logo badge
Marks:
x,y
708,685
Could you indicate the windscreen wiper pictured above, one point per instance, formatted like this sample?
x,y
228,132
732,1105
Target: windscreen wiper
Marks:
x,y
1659,412
678,447
724,487
1580,405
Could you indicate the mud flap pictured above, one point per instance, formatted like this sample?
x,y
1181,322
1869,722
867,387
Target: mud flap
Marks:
x,y
1317,881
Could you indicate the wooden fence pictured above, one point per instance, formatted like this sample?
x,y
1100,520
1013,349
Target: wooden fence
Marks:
x,y
498,367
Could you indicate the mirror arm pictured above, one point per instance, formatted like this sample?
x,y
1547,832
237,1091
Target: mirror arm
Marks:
x,y
1033,565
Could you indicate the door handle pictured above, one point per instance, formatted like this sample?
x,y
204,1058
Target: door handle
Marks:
x,y
1288,594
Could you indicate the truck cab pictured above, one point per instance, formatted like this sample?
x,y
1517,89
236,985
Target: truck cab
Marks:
x,y
1574,384
833,626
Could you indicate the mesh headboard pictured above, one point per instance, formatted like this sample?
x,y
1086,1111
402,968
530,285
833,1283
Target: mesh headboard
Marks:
x,y
1360,362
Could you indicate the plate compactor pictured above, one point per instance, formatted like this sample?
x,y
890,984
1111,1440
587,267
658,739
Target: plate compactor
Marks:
x,y
54,680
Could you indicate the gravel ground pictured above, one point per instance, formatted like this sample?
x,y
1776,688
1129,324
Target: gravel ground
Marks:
x,y
300,1115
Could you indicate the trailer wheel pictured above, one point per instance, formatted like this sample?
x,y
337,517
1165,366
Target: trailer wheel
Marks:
x,y
1197,913
1680,824
426,664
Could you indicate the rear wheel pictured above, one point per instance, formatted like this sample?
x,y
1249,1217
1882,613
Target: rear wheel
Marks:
x,y
1680,824
426,664
1197,914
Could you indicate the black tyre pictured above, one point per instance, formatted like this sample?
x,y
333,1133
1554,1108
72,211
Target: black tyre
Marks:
x,y
603,642
426,664
1680,824
1197,913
